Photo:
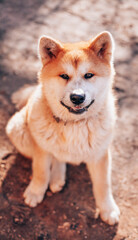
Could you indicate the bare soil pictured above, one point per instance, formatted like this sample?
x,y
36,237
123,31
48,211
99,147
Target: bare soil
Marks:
x,y
71,213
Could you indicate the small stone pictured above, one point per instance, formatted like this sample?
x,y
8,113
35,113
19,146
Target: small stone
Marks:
x,y
94,225
82,212
49,194
60,227
19,219
66,225
2,165
64,216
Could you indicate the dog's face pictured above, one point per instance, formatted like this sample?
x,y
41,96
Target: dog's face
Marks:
x,y
76,77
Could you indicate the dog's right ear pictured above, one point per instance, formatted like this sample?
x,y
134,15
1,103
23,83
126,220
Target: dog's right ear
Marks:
x,y
49,48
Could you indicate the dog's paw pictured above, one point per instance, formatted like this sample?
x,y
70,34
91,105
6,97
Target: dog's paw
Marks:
x,y
57,186
110,214
33,195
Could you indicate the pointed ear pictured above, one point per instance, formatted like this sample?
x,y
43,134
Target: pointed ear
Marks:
x,y
48,49
103,46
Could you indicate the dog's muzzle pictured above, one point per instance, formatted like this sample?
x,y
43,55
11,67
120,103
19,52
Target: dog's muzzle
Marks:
x,y
79,110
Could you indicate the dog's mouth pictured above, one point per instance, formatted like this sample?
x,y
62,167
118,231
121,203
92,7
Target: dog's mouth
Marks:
x,y
77,109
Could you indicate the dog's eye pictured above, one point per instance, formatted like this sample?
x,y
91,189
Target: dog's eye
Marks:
x,y
64,76
88,75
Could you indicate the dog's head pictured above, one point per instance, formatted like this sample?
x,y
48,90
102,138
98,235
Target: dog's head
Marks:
x,y
76,77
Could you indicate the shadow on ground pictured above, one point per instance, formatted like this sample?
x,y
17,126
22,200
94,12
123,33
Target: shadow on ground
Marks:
x,y
69,214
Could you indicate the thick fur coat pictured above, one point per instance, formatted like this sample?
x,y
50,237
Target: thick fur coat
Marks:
x,y
69,117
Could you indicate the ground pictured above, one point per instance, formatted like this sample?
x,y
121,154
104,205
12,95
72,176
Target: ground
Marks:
x,y
69,214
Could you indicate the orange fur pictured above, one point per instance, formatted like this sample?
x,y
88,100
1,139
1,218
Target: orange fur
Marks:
x,y
54,129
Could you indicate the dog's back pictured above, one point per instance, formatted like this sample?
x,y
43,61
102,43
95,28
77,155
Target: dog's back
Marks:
x,y
21,96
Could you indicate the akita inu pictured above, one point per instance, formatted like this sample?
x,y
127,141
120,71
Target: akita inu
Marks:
x,y
69,117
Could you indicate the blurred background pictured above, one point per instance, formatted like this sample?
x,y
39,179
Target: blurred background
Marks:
x,y
71,213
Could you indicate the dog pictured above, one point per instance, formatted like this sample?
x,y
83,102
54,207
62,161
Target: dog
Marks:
x,y
69,117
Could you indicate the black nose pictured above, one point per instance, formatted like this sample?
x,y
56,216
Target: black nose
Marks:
x,y
77,98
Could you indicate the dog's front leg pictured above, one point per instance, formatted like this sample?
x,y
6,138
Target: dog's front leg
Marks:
x,y
34,193
57,176
100,173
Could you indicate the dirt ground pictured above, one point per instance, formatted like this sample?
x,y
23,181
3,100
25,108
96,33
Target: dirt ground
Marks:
x,y
69,214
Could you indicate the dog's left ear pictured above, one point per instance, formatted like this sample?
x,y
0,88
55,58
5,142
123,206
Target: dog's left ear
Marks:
x,y
103,46
49,48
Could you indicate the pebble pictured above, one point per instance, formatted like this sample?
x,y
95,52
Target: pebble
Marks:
x,y
64,216
65,225
49,194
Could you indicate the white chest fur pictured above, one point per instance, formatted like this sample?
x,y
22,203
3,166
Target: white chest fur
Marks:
x,y
74,142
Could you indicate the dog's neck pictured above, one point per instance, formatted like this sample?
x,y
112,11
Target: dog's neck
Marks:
x,y
57,119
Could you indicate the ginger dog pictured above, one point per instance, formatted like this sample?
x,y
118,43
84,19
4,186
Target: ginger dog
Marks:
x,y
69,117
